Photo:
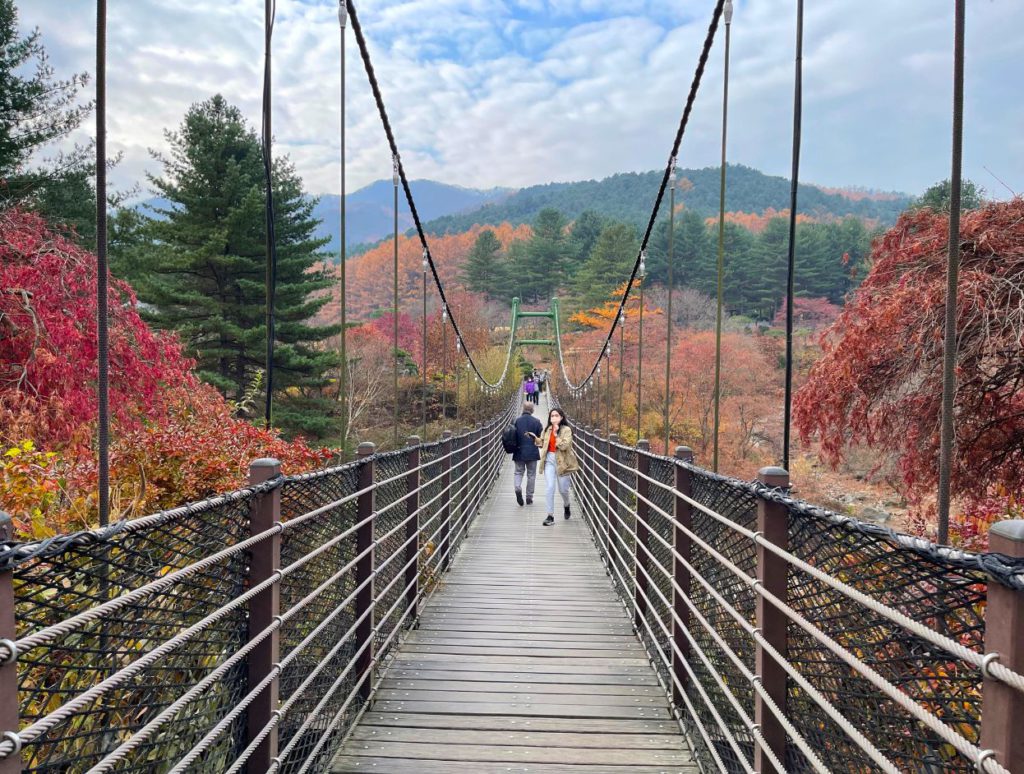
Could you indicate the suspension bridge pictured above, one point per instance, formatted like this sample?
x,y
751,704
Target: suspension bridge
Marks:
x,y
400,612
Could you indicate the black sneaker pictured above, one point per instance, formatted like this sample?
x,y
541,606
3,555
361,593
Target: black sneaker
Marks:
x,y
549,521
519,497
567,512
529,501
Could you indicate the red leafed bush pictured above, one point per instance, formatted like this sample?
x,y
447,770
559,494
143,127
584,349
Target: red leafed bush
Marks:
x,y
173,439
879,381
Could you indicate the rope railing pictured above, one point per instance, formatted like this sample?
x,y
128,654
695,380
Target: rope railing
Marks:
x,y
247,631
794,639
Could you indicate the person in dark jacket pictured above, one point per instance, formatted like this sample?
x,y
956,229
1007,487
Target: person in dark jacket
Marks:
x,y
526,455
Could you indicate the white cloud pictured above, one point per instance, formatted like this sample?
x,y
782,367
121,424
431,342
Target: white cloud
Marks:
x,y
515,92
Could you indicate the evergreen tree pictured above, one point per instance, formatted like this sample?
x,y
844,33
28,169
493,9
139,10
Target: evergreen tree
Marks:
x,y
36,110
548,254
482,268
937,197
582,238
204,276
608,265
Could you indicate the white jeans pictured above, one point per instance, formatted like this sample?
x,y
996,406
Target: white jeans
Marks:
x,y
553,479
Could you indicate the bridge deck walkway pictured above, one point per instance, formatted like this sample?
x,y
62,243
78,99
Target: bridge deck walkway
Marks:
x,y
524,661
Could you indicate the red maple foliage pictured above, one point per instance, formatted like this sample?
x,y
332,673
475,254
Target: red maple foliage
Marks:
x,y
174,439
879,381
808,312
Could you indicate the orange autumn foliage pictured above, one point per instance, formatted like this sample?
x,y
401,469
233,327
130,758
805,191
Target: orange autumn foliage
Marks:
x,y
756,223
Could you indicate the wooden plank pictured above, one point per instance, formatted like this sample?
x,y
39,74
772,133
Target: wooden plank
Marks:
x,y
556,677
638,726
579,688
352,763
505,753
533,709
538,738
518,695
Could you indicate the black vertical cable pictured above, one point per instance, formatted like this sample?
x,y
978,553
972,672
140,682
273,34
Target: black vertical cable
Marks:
x,y
343,381
721,239
949,354
668,313
102,271
622,371
394,316
444,370
424,347
791,266
640,353
269,12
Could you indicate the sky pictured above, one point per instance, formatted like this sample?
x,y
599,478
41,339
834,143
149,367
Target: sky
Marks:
x,y
486,93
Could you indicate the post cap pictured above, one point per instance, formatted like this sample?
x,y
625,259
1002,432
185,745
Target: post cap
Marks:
x,y
413,440
366,448
6,528
1007,537
773,476
613,437
684,453
263,469
644,444
446,435
465,431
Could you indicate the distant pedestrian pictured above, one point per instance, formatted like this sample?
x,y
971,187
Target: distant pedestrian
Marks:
x,y
560,461
527,455
542,382
530,389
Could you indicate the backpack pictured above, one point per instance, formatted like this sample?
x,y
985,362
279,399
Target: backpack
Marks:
x,y
510,439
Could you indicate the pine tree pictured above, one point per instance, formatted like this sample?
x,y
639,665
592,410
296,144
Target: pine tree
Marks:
x,y
608,265
204,273
482,268
548,254
36,110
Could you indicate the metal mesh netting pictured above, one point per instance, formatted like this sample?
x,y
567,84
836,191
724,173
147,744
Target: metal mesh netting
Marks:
x,y
389,554
432,500
50,588
623,516
299,496
739,506
661,565
947,599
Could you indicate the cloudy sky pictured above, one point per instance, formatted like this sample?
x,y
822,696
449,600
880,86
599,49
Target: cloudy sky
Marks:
x,y
515,92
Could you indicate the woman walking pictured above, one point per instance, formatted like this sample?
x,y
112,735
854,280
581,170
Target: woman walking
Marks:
x,y
559,461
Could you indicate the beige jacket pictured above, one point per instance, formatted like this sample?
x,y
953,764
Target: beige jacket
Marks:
x,y
565,457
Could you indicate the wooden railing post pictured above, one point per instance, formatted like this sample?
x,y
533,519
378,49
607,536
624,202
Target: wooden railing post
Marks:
x,y
446,515
264,608
1003,706
613,503
641,535
9,705
773,573
680,574
365,510
412,527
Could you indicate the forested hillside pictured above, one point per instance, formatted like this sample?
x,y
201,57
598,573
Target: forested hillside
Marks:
x,y
628,197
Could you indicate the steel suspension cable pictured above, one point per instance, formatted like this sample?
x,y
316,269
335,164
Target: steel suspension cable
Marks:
x,y
400,169
343,380
424,363
102,269
721,241
668,312
669,166
394,301
947,440
640,355
269,15
791,257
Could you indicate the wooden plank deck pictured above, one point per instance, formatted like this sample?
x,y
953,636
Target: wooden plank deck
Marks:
x,y
524,661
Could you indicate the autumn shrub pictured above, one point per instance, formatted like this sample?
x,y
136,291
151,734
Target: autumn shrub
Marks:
x,y
174,438
879,380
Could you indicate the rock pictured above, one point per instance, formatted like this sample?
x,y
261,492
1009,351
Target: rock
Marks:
x,y
876,515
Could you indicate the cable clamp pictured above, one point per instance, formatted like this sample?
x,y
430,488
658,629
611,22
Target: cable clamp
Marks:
x,y
986,662
727,12
278,574
278,620
343,13
395,168
983,756
12,652
15,740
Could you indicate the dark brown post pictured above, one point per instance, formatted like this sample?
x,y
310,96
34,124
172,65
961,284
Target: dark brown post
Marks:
x,y
680,574
444,541
365,509
264,562
412,527
641,535
613,503
1002,705
773,572
8,661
